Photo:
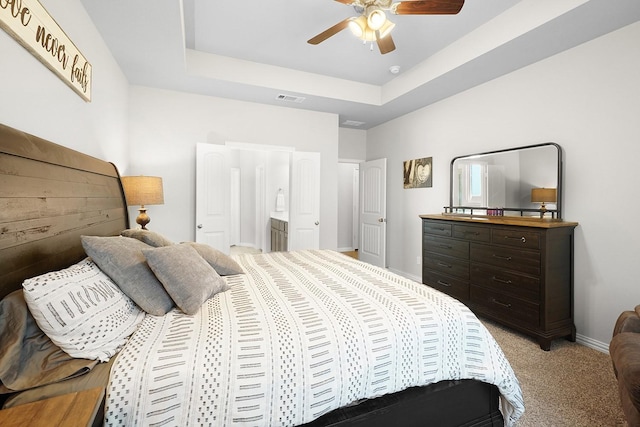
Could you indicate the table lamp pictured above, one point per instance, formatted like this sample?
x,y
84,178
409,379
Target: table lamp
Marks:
x,y
140,191
543,195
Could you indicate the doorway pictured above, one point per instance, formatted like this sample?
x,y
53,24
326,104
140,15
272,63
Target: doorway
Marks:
x,y
264,173
348,202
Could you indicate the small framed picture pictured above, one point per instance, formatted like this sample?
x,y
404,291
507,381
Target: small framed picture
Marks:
x,y
418,173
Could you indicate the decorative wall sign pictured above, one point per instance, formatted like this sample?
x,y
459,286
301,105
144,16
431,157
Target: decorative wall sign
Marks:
x,y
417,173
30,24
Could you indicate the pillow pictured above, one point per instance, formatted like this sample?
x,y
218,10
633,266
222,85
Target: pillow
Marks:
x,y
121,259
82,310
223,264
186,276
151,238
28,357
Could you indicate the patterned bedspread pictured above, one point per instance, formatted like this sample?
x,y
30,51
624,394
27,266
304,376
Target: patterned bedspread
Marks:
x,y
300,334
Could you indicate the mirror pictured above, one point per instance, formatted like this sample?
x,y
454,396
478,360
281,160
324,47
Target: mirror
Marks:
x,y
500,182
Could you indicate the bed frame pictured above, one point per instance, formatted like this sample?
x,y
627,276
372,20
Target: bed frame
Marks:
x,y
51,195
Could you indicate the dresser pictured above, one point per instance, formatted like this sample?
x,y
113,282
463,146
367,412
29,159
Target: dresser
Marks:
x,y
517,271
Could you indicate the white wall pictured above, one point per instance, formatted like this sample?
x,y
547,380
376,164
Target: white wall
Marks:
x,y
353,144
166,125
586,99
34,100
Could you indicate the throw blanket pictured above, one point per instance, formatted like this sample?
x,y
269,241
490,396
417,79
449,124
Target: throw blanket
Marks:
x,y
300,334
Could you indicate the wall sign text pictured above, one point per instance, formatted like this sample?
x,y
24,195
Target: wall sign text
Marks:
x,y
30,24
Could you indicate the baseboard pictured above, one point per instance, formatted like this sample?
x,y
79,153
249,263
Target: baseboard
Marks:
x,y
247,245
591,343
406,275
580,339
346,249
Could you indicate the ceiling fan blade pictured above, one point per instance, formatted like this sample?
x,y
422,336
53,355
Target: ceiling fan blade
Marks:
x,y
329,32
345,1
427,7
385,44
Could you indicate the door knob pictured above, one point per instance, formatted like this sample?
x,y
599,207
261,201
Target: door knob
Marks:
x,y
380,219
317,222
199,226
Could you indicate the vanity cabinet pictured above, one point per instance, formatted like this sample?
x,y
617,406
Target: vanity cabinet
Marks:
x,y
279,235
517,271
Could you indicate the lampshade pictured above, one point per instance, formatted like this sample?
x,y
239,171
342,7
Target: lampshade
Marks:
x,y
143,190
542,195
361,27
386,29
376,19
358,26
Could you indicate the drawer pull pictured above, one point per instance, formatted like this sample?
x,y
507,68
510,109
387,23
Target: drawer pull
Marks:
x,y
496,279
440,282
442,264
473,233
522,239
504,304
444,246
506,258
438,228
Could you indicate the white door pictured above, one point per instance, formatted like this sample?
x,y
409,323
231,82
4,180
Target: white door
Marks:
x,y
234,206
356,209
212,196
304,210
262,220
373,212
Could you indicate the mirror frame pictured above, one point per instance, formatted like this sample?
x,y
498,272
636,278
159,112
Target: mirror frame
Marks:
x,y
557,213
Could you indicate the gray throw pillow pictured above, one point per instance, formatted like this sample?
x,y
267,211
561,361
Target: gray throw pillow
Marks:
x,y
121,259
149,237
222,263
186,276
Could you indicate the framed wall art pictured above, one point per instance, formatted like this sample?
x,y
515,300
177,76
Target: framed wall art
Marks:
x,y
30,24
418,173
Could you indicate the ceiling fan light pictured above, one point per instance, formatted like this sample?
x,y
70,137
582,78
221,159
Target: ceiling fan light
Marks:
x,y
386,29
376,19
369,35
358,26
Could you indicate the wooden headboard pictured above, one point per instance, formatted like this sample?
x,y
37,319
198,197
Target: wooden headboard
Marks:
x,y
50,196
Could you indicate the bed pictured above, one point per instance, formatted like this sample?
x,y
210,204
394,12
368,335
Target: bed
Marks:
x,y
294,338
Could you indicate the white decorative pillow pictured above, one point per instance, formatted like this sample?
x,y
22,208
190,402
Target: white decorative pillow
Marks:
x,y
82,310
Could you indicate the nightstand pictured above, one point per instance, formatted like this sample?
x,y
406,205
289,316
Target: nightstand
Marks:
x,y
77,409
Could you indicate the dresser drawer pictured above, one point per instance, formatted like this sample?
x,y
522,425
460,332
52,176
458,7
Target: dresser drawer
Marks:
x,y
457,288
516,238
448,265
436,227
510,258
476,234
506,307
497,279
444,246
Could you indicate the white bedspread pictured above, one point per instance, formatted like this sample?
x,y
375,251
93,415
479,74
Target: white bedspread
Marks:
x,y
300,334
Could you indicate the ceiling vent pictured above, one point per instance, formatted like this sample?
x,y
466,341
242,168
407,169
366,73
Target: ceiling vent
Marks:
x,y
352,123
290,98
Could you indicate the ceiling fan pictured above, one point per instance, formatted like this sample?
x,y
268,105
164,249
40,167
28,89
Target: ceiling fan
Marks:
x,y
373,25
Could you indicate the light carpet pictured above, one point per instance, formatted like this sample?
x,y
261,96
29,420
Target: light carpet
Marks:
x,y
571,385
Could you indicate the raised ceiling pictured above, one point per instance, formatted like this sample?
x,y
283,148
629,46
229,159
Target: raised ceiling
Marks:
x,y
255,50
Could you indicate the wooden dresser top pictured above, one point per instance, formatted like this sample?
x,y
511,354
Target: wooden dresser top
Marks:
x,y
503,220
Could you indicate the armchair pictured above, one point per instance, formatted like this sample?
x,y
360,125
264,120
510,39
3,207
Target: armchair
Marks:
x,y
625,355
